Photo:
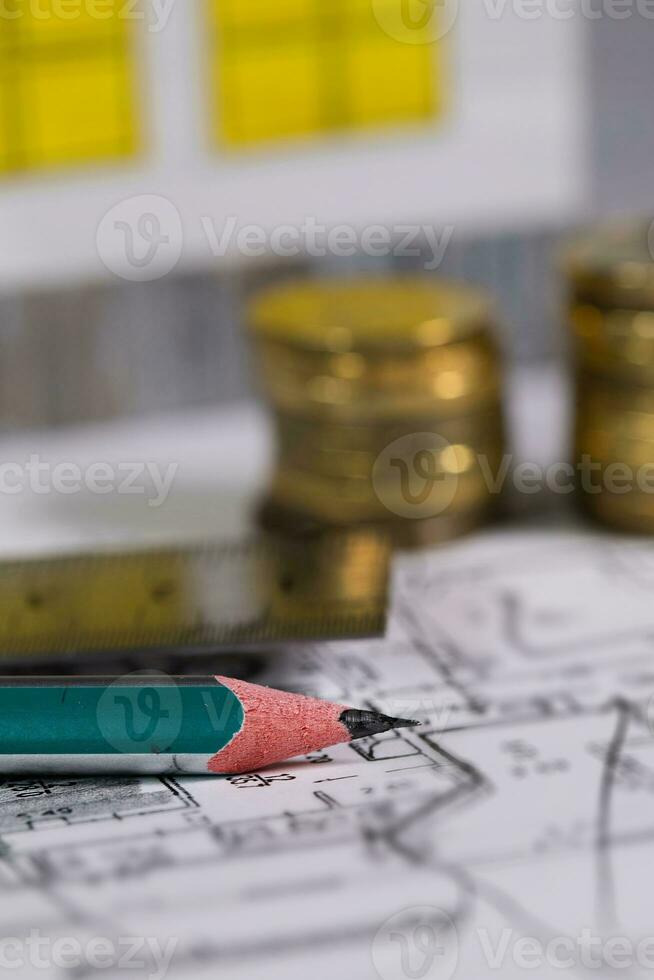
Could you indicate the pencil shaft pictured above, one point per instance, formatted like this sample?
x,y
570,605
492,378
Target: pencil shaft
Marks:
x,y
139,724
154,724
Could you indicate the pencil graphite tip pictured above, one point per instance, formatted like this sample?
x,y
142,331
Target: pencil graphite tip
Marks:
x,y
361,724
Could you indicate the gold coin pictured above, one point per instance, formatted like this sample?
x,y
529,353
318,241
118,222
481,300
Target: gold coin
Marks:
x,y
317,503
366,315
623,427
458,483
615,421
351,451
614,449
358,370
352,572
373,437
614,395
617,342
439,530
447,382
606,447
613,266
403,534
633,512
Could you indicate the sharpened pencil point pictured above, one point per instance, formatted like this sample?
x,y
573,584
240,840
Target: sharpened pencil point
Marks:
x,y
361,724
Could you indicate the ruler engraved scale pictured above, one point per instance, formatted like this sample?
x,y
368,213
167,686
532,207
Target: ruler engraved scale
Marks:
x,y
270,588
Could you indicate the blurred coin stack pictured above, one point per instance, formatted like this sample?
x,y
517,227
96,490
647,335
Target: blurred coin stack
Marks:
x,y
387,402
611,274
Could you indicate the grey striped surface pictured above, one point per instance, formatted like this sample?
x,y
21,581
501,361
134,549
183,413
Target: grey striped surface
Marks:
x,y
108,350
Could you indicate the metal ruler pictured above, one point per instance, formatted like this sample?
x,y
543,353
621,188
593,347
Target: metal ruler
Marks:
x,y
272,588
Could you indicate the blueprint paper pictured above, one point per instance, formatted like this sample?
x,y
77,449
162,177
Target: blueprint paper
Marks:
x,y
510,834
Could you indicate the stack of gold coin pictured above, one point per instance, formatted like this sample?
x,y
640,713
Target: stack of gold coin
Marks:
x,y
387,401
611,273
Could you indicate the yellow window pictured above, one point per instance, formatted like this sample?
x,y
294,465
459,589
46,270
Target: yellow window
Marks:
x,y
306,67
68,84
387,82
269,96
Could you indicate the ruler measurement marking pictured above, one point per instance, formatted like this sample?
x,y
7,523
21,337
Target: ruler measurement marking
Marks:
x,y
185,597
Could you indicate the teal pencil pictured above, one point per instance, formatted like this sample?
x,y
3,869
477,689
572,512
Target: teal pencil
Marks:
x,y
155,724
